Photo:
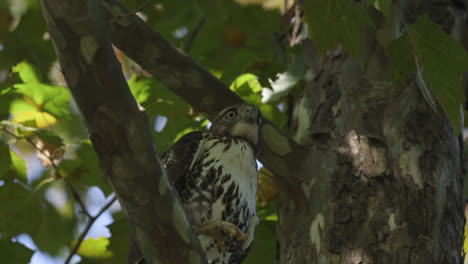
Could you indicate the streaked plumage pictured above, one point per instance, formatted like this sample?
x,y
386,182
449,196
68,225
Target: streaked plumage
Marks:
x,y
215,174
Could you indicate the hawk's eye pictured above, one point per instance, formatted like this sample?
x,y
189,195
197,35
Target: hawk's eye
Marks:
x,y
231,114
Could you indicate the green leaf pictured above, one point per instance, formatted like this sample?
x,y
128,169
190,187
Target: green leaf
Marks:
x,y
401,58
94,248
268,212
84,168
246,84
383,6
49,137
27,72
32,214
52,223
13,252
22,216
5,159
35,119
441,60
141,88
17,169
26,41
38,97
264,244
119,241
51,98
159,101
234,39
337,21
249,89
6,96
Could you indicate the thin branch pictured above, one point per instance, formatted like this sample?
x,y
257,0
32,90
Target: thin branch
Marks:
x,y
75,194
29,140
77,197
187,44
88,226
131,12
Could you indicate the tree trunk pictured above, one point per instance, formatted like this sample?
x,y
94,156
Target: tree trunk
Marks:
x,y
383,179
376,174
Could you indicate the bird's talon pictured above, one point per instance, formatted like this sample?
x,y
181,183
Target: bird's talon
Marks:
x,y
228,235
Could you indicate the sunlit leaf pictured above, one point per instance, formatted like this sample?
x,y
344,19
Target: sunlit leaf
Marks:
x,y
27,72
51,98
17,166
141,88
95,248
35,119
246,84
13,252
35,96
465,233
250,90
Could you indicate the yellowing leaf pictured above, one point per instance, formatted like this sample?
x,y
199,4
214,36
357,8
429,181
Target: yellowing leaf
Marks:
x,y
35,119
95,248
465,243
267,187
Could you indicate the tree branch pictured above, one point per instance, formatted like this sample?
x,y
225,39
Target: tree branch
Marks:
x,y
120,133
194,84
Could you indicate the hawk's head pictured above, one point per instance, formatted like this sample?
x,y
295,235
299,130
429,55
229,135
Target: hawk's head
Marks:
x,y
242,121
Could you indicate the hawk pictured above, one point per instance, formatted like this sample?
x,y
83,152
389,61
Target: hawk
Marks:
x,y
215,175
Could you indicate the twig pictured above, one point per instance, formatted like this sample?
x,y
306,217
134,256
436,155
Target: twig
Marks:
x,y
32,144
131,12
90,223
76,196
74,192
187,44
78,199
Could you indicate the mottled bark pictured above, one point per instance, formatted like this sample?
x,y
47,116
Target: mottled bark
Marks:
x,y
120,133
384,181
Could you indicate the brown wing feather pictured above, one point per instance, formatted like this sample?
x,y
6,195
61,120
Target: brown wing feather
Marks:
x,y
178,158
